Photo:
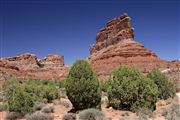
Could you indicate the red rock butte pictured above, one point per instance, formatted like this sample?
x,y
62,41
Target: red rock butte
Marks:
x,y
115,46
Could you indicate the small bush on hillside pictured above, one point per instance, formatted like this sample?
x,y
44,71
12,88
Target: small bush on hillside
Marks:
x,y
3,107
91,114
13,115
69,116
165,88
145,114
48,109
50,92
173,77
1,93
44,100
39,116
83,86
9,86
20,102
34,88
41,90
172,112
130,90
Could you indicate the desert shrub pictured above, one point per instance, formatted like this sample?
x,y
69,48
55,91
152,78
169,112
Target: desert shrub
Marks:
x,y
34,88
39,105
3,107
69,116
48,109
130,90
173,77
91,114
1,93
9,86
39,116
50,92
165,88
145,114
172,112
20,102
83,86
13,115
44,100
61,83
41,90
104,85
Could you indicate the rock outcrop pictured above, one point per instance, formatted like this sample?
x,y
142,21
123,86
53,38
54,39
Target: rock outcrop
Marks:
x,y
52,61
28,66
115,31
115,46
23,62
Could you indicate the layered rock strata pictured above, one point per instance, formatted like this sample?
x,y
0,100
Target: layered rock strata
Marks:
x,y
115,46
28,66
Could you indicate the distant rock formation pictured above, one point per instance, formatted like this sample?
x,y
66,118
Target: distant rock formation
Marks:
x,y
23,62
115,46
28,66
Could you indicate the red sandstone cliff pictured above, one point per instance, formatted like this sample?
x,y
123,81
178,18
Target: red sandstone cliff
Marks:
x,y
115,45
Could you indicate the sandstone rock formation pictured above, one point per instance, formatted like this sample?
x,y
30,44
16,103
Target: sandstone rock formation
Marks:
x,y
23,62
27,66
115,45
52,61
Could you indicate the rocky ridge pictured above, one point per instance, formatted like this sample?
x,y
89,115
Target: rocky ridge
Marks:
x,y
27,66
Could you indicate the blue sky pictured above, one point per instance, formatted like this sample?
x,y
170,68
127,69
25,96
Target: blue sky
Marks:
x,y
69,27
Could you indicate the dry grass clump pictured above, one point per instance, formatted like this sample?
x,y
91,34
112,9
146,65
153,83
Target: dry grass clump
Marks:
x,y
91,114
69,116
48,109
39,116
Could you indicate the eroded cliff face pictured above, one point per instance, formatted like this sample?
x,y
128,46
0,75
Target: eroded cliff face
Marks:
x,y
115,46
115,31
28,66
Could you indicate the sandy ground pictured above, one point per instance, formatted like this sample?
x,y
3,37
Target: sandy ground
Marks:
x,y
2,115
